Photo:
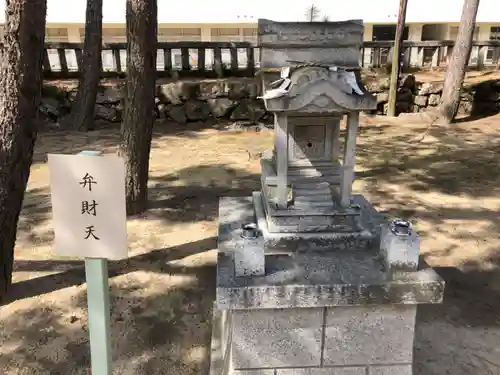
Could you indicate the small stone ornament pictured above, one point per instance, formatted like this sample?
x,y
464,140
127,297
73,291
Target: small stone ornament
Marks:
x,y
399,246
249,258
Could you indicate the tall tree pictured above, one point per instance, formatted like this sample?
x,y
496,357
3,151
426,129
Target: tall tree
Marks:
x,y
460,56
396,58
137,125
21,79
82,112
312,13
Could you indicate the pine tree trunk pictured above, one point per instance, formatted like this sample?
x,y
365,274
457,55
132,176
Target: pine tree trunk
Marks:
x,y
396,58
20,91
137,126
82,112
459,61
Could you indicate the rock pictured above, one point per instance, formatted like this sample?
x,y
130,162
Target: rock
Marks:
x,y
431,88
245,126
235,89
197,110
248,109
484,108
177,92
408,82
404,95
420,100
467,95
382,97
212,88
487,91
190,90
107,113
50,107
110,95
466,108
221,107
239,89
162,110
403,106
177,113
434,100
169,93
415,109
72,94
379,85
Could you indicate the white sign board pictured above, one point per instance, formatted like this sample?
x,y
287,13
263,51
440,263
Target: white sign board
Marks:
x,y
88,205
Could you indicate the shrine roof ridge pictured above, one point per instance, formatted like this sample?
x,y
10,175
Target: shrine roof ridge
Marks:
x,y
318,89
310,34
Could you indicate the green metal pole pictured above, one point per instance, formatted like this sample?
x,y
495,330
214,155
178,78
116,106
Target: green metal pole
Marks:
x,y
96,274
398,41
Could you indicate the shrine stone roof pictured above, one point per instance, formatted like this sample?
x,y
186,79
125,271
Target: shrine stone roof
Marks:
x,y
315,89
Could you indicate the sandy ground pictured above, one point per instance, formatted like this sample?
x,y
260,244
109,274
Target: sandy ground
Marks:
x,y
161,297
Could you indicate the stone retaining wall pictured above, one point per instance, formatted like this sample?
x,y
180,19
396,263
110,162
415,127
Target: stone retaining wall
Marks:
x,y
413,96
181,101
236,100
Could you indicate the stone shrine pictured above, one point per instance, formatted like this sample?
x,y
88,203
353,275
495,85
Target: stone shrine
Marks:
x,y
311,279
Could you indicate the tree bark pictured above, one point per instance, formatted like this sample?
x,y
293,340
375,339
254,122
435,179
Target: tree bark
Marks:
x,y
137,125
82,112
396,58
455,73
21,79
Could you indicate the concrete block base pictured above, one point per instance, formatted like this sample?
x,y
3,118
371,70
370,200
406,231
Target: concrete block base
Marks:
x,y
313,312
348,340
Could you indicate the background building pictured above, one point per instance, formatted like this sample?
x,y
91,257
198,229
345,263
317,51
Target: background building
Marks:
x,y
226,20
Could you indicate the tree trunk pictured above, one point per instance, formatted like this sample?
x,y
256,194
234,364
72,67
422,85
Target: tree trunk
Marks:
x,y
82,112
137,126
396,58
20,91
459,60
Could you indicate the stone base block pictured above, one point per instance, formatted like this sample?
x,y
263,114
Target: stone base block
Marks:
x,y
360,237
358,370
380,335
349,340
276,338
313,224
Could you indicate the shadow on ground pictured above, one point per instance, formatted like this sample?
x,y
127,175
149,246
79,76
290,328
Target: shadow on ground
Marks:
x,y
451,164
461,335
72,272
162,332
424,180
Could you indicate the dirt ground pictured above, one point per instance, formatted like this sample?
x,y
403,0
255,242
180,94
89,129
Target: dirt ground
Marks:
x,y
448,184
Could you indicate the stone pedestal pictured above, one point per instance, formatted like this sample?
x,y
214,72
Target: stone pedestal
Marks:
x,y
332,311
